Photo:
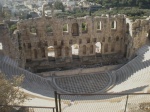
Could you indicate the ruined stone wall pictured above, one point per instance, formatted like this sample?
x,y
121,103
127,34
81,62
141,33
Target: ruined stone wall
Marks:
x,y
110,33
6,42
138,35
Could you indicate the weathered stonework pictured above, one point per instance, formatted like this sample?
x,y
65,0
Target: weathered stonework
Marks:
x,y
117,36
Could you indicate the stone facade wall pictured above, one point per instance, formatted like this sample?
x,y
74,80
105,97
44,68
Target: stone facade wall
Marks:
x,y
84,32
118,37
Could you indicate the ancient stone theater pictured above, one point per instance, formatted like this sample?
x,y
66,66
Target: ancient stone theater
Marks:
x,y
50,43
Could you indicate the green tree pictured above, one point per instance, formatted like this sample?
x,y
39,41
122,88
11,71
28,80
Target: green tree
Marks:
x,y
59,6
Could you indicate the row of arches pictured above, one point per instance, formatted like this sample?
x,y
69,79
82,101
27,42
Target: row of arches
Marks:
x,y
74,49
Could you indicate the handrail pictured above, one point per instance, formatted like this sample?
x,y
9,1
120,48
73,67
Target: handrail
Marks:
x,y
28,106
108,94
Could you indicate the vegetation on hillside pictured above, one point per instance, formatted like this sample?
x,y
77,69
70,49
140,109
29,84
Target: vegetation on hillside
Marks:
x,y
134,9
144,4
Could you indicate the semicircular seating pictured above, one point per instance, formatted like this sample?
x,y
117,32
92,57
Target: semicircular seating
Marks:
x,y
134,74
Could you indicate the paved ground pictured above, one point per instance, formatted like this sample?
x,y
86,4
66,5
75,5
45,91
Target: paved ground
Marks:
x,y
90,83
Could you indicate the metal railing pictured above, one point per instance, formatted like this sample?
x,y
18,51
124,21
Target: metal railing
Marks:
x,y
15,108
115,102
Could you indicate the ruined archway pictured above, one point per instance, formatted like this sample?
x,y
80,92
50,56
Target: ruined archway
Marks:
x,y
75,29
75,51
113,25
84,27
98,49
99,25
51,53
1,46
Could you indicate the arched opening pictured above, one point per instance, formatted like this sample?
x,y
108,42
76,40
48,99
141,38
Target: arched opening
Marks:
x,y
66,51
65,28
35,53
75,29
91,49
1,46
75,51
33,30
106,48
113,25
99,25
127,28
51,53
84,49
49,30
98,48
84,28
43,52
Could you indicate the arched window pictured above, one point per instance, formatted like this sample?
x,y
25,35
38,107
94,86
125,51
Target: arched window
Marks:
x,y
114,25
1,46
75,49
99,25
65,28
33,30
98,47
66,51
49,30
84,49
51,51
91,49
106,48
75,29
84,28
